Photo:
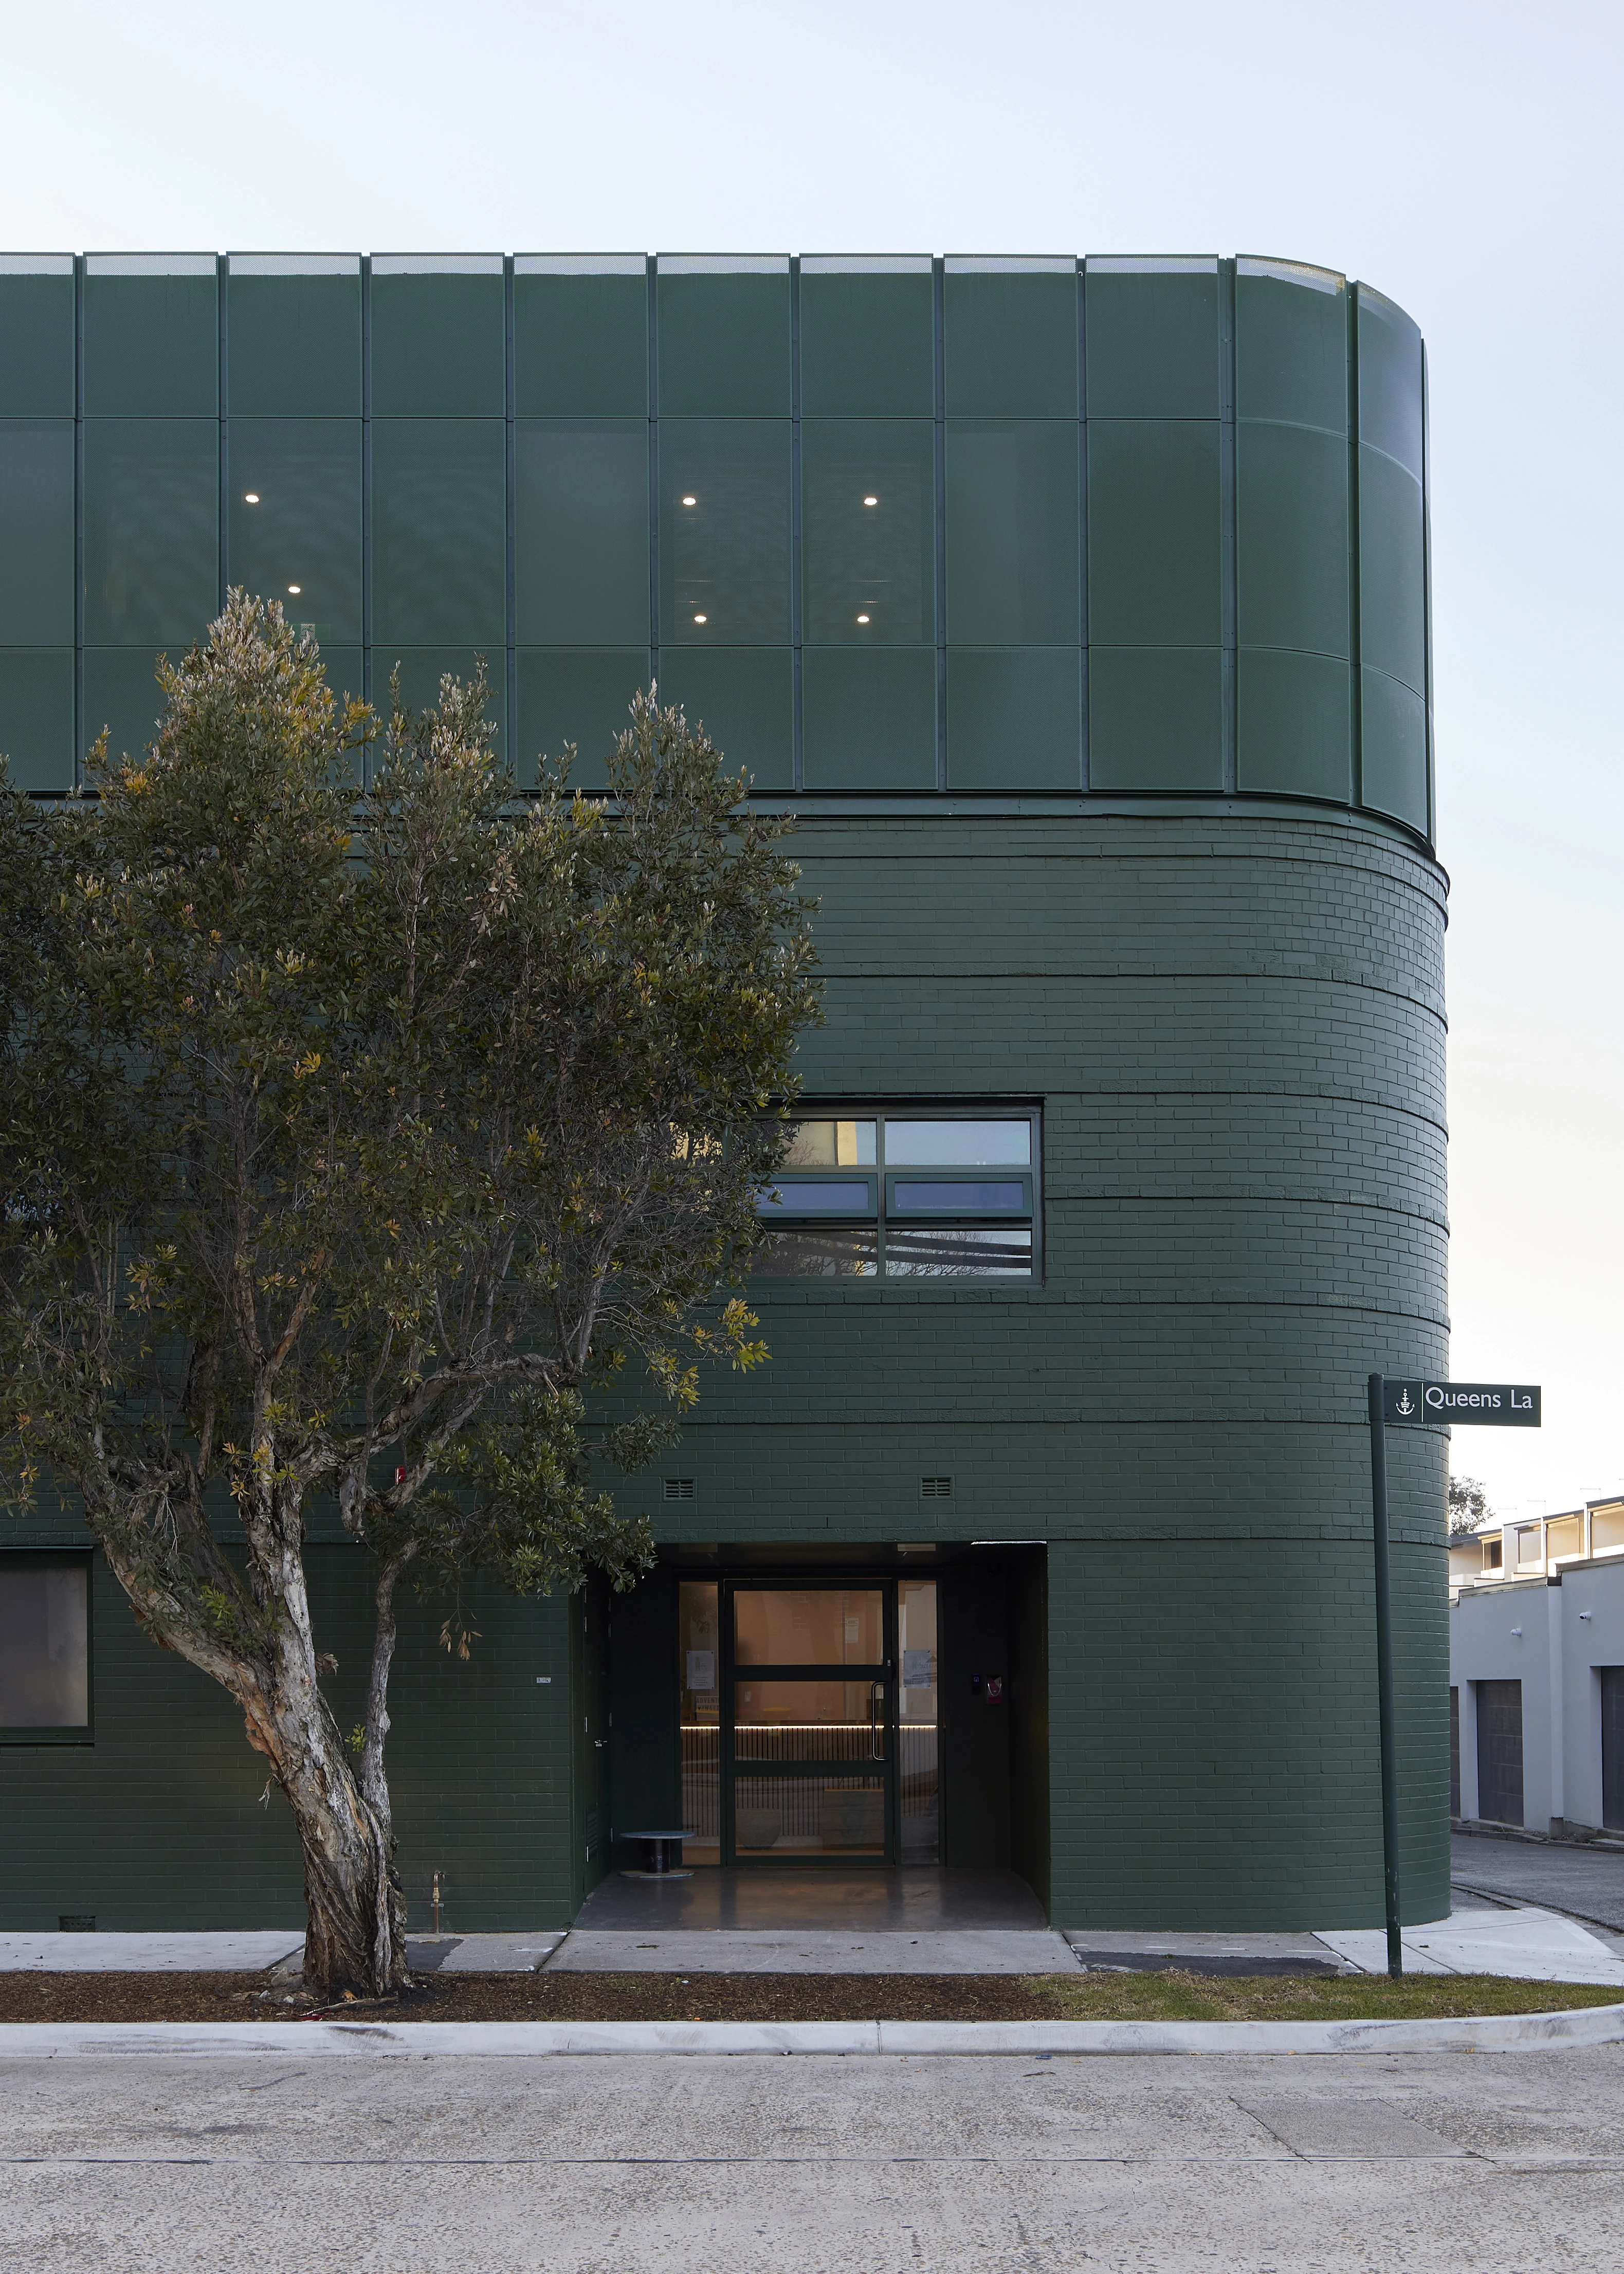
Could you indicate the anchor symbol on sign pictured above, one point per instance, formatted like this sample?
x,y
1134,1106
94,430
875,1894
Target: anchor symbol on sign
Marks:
x,y
1404,1404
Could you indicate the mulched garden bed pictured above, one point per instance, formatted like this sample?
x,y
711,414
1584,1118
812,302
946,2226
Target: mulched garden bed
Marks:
x,y
1169,1995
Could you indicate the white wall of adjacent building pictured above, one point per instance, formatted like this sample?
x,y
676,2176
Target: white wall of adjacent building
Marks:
x,y
1553,1634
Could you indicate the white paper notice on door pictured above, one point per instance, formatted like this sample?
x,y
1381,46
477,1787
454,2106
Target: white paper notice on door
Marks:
x,y
702,1669
916,1670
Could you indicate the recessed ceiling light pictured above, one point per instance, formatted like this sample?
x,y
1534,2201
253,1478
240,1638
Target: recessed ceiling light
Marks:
x,y
251,497
294,588
690,500
863,620
871,500
700,620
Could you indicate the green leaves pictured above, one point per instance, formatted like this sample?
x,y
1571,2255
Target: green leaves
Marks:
x,y
353,1136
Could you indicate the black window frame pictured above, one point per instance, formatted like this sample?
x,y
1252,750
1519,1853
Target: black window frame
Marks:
x,y
879,1177
59,1733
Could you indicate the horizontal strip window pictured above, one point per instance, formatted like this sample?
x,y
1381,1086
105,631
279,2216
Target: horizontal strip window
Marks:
x,y
915,1218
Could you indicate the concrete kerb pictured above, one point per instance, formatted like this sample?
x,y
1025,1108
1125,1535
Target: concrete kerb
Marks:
x,y
1489,2033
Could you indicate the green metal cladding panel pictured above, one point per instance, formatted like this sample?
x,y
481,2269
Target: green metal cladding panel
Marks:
x,y
151,341
1152,340
1291,513
36,532
152,522
440,521
1013,566
581,339
438,344
579,695
36,338
1011,339
1295,724
1291,345
1014,718
745,699
119,691
724,343
1156,718
581,532
293,343
1204,516
1154,556
870,719
36,716
303,526
868,342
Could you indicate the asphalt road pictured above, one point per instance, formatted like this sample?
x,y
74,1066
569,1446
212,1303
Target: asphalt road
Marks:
x,y
1502,2163
1587,1882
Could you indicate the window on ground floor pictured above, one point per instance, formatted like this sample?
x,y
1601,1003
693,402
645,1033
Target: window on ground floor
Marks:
x,y
906,1193
44,1646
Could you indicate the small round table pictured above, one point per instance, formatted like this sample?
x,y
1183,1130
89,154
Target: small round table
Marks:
x,y
661,1862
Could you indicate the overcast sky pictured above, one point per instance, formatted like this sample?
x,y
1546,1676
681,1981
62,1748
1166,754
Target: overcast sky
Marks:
x,y
1464,158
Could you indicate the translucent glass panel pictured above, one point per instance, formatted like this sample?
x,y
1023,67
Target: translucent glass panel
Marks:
x,y
580,343
439,343
575,695
725,532
440,523
744,697
809,1626
582,530
868,342
827,1815
919,1698
36,338
293,519
868,524
36,532
294,343
151,506
152,340
1013,566
833,1145
956,1143
44,1645
724,339
869,720
820,1720
807,1251
1152,340
1291,345
36,716
699,1683
1011,340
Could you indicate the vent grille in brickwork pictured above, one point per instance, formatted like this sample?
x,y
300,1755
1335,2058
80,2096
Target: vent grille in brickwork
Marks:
x,y
936,1488
679,1488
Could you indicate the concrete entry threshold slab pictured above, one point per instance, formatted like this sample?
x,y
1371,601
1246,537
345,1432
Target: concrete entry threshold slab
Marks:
x,y
718,1951
769,1899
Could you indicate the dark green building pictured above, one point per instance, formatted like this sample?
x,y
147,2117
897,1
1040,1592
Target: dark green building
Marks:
x,y
1080,611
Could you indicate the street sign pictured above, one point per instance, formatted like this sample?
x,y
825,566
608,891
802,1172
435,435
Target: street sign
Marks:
x,y
1504,1404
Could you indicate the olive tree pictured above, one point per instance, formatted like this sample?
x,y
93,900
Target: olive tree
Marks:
x,y
353,1140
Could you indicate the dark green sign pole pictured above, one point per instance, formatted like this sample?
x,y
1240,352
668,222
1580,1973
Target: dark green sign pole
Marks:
x,y
1384,1671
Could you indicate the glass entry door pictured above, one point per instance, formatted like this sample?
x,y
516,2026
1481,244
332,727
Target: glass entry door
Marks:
x,y
809,1722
